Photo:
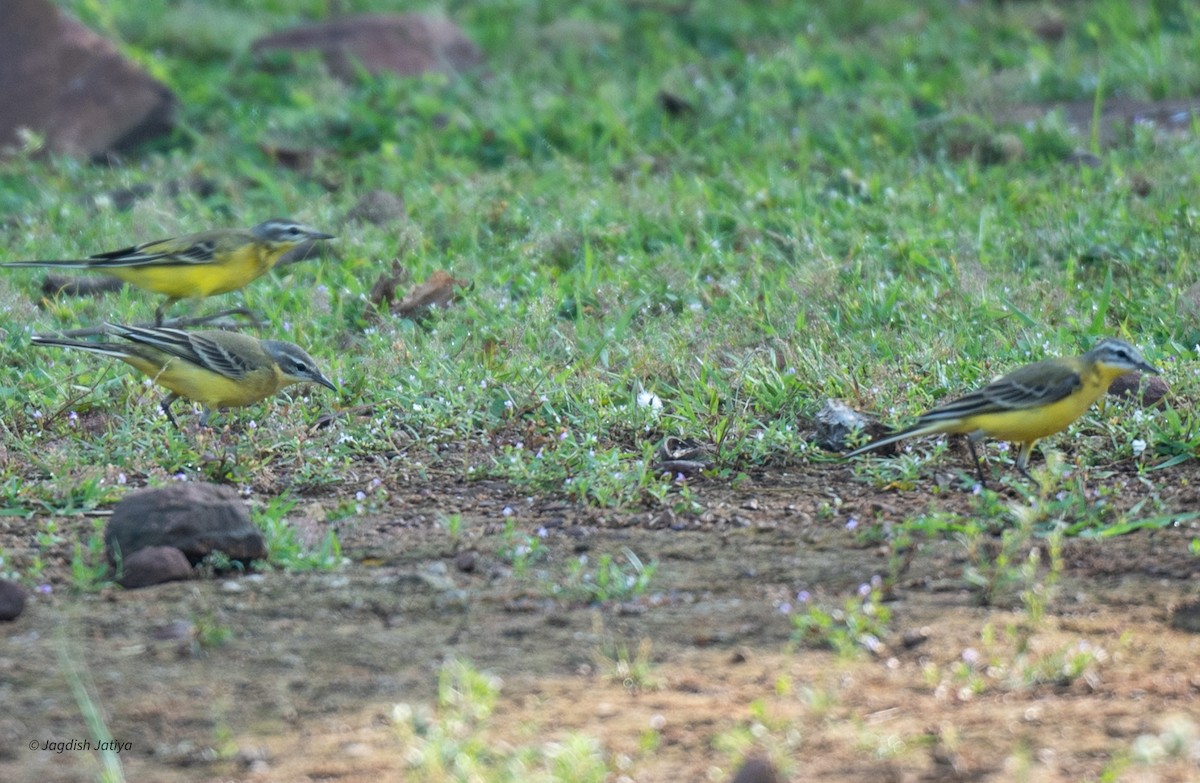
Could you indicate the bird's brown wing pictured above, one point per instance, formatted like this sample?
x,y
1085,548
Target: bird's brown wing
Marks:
x,y
1032,386
222,357
184,251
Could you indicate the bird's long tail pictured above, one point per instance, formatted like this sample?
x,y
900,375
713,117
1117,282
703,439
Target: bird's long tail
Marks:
x,y
65,264
106,349
915,431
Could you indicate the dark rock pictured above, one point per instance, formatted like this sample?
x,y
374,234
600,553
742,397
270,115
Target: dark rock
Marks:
x,y
12,600
405,44
465,562
674,105
1051,28
197,519
378,207
1151,387
915,637
1186,617
154,565
73,87
757,770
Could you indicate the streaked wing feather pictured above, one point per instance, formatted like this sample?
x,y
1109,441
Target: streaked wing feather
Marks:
x,y
218,358
158,254
174,341
191,347
1028,387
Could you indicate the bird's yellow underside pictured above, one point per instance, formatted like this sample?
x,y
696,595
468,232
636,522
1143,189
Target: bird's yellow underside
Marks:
x,y
183,281
210,389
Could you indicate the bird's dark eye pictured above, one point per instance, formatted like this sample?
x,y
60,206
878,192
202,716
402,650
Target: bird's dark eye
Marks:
x,y
301,366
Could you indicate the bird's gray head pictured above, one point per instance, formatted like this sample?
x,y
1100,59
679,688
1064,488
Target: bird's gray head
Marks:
x,y
296,365
1120,355
280,231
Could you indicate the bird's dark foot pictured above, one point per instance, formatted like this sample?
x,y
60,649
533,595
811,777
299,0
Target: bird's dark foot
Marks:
x,y
170,416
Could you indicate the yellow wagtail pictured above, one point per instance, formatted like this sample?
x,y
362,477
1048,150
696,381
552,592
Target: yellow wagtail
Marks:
x,y
1029,403
196,265
216,369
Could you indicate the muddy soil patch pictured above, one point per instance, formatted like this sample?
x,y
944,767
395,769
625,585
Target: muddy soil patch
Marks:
x,y
295,676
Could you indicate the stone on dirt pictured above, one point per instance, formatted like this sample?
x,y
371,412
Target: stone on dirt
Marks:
x,y
757,770
154,565
12,600
195,518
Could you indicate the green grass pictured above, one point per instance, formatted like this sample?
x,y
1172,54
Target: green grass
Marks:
x,y
450,742
851,209
286,550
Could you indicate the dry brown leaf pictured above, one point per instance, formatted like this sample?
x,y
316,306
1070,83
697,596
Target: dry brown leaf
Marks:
x,y
439,290
383,293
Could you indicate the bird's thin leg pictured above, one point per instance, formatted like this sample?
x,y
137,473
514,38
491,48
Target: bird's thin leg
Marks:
x,y
166,408
245,312
975,458
158,313
204,412
1023,460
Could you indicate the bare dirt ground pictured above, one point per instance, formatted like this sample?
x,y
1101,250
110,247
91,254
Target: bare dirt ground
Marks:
x,y
303,688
